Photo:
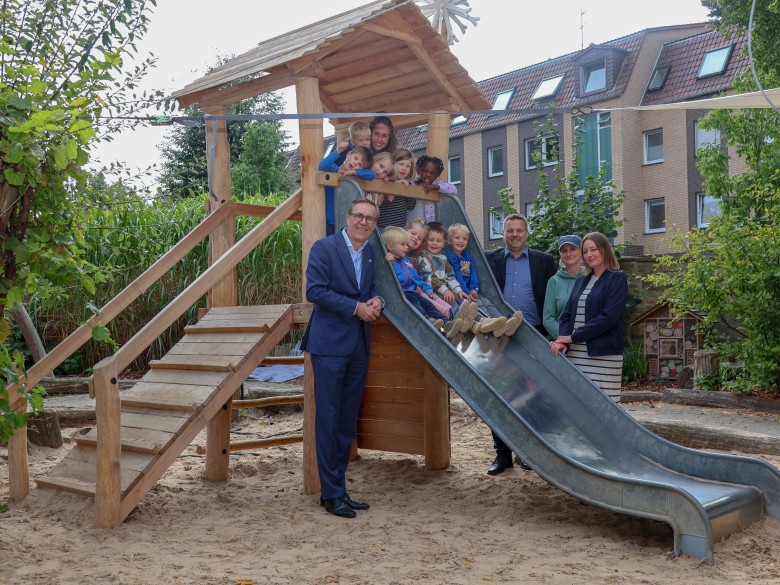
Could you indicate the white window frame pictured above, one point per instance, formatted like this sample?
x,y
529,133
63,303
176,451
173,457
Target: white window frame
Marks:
x,y
491,157
703,136
649,203
658,78
502,99
496,222
701,198
547,88
587,70
449,170
545,144
719,56
646,147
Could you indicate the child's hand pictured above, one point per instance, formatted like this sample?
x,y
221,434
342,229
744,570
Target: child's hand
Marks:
x,y
432,295
389,257
419,290
473,296
448,296
345,173
464,296
427,187
342,146
404,182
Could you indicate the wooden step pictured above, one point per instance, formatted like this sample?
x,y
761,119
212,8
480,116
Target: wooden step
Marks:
x,y
197,363
132,445
246,325
162,404
71,486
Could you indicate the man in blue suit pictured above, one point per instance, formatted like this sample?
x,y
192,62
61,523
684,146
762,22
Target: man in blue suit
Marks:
x,y
340,284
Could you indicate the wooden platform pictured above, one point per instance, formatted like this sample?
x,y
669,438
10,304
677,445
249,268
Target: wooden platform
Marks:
x,y
175,400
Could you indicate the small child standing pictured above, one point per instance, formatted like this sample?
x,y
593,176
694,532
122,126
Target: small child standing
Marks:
x,y
396,241
393,209
463,265
429,169
357,163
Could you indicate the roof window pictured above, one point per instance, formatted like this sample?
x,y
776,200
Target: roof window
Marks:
x,y
658,79
547,88
715,62
502,100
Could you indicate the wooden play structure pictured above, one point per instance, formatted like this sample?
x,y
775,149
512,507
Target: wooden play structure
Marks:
x,y
383,57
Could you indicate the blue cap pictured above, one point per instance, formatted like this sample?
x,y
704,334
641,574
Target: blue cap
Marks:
x,y
575,241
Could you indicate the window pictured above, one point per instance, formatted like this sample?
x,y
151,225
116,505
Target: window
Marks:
x,y
707,207
714,62
495,161
547,146
658,78
654,146
655,216
453,170
547,88
502,100
496,215
459,120
594,77
705,137
594,146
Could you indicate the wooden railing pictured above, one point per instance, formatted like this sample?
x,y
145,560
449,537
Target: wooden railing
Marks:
x,y
107,408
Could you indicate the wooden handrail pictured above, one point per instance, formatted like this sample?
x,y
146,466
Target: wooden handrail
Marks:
x,y
389,188
252,210
132,291
224,264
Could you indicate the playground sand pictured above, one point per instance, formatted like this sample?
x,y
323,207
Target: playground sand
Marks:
x,y
458,526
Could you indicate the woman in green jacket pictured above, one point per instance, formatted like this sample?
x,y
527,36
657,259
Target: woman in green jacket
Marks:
x,y
560,285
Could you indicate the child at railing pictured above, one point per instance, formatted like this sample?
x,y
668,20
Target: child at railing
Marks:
x,y
383,168
393,209
429,169
357,163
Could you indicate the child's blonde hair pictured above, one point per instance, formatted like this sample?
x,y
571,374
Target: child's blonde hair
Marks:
x,y
404,154
395,235
358,130
417,221
456,227
384,155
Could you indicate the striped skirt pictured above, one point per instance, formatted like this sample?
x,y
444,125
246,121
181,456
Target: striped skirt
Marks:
x,y
605,371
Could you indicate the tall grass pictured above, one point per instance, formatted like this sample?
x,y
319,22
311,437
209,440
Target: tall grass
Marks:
x,y
126,240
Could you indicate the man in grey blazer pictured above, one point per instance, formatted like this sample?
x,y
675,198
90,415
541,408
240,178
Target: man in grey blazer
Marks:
x,y
522,275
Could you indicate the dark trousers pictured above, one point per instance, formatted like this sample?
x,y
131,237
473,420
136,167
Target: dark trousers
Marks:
x,y
423,305
502,449
339,382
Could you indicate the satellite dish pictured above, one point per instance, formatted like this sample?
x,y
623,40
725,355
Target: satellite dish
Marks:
x,y
442,13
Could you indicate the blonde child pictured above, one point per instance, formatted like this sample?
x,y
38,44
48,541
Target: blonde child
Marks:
x,y
418,232
462,263
383,168
396,242
393,209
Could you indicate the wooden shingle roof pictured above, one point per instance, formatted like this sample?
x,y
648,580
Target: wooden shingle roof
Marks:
x,y
381,57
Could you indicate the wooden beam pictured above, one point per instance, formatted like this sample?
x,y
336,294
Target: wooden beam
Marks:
x,y
311,477
18,466
250,210
439,138
414,192
277,78
436,415
108,490
438,76
349,37
407,37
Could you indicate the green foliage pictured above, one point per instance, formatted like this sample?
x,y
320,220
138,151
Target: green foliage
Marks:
x,y
61,74
256,152
635,362
126,235
561,207
707,381
731,270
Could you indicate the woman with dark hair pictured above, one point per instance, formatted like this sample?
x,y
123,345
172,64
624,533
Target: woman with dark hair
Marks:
x,y
592,324
383,136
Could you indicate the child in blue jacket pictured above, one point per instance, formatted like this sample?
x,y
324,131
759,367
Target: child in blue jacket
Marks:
x,y
357,163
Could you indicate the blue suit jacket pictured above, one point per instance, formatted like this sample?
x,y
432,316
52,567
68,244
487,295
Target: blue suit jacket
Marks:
x,y
332,287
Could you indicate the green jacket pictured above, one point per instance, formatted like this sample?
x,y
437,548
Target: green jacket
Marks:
x,y
558,292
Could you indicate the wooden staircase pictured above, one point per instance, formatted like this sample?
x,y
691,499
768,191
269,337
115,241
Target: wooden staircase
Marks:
x,y
175,400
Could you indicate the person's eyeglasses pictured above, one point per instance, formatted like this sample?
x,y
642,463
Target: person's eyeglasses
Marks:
x,y
369,219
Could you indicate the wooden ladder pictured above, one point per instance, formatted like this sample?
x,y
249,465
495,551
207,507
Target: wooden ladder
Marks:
x,y
175,400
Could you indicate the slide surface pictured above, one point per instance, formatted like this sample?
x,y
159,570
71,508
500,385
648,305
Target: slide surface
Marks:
x,y
571,432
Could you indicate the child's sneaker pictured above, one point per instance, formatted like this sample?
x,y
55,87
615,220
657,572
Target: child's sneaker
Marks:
x,y
453,328
513,323
462,312
473,310
489,324
438,324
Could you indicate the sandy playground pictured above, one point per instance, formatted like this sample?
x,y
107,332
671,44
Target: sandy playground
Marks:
x,y
458,526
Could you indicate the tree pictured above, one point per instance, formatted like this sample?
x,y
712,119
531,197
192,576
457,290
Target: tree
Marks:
x,y
184,170
730,270
562,205
61,80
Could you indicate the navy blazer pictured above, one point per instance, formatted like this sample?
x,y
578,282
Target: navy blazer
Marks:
x,y
605,310
542,268
331,285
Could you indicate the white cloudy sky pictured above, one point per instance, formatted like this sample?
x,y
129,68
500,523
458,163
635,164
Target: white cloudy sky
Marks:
x,y
186,37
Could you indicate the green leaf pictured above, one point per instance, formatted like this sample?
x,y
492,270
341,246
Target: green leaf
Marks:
x,y
60,157
100,333
14,177
15,156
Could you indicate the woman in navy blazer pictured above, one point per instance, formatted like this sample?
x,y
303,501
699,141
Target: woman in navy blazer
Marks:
x,y
592,324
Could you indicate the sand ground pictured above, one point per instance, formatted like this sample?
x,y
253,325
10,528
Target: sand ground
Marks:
x,y
458,526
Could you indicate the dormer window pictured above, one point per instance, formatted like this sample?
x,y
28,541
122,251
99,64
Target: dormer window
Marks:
x,y
547,88
658,79
594,77
502,100
715,62
459,120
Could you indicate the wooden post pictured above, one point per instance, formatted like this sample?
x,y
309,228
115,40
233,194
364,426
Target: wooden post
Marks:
x,y
18,467
108,490
224,293
436,421
307,92
706,361
439,138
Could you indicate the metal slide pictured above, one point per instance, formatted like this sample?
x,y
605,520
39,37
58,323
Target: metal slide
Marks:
x,y
569,430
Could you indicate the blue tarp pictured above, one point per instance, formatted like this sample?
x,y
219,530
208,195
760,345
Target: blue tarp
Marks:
x,y
279,373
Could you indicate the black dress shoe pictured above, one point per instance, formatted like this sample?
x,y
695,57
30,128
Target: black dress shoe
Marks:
x,y
522,464
502,463
338,507
355,505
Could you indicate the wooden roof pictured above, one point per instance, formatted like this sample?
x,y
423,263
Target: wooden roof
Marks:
x,y
382,57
